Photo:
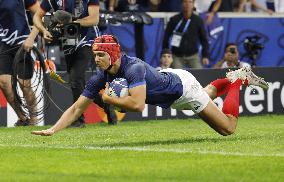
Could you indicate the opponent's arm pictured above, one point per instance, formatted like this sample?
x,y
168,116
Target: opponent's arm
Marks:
x,y
68,117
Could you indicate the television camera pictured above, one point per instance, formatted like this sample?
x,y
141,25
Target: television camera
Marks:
x,y
61,27
252,48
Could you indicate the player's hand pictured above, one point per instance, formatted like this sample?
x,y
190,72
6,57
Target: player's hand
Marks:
x,y
105,93
106,90
47,132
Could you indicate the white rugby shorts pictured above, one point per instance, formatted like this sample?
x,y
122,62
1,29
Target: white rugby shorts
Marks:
x,y
194,97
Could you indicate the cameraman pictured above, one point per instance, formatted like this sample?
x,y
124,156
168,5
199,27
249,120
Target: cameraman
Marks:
x,y
231,58
80,54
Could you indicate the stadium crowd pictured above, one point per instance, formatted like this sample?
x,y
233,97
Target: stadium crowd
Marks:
x,y
212,6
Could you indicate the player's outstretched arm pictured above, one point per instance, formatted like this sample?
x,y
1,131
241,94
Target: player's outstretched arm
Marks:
x,y
69,116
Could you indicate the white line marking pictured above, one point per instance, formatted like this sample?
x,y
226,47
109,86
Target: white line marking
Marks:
x,y
147,149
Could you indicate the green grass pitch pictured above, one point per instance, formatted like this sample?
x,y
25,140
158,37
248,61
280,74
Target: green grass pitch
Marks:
x,y
171,150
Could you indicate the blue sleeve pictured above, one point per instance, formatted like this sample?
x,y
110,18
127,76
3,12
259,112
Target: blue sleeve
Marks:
x,y
135,75
94,85
45,5
29,3
93,2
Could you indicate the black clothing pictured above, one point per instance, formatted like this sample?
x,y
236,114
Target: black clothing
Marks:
x,y
77,63
138,6
7,58
191,38
226,6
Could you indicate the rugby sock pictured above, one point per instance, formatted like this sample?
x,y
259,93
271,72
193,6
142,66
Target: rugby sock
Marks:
x,y
222,86
232,100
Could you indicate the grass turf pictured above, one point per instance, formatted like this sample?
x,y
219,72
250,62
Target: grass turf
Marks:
x,y
172,150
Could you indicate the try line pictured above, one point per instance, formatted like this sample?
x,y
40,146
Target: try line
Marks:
x,y
147,149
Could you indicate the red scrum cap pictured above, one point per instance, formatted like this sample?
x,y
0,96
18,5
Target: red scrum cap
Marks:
x,y
109,44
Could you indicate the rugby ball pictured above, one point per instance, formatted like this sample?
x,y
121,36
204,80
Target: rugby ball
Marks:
x,y
118,88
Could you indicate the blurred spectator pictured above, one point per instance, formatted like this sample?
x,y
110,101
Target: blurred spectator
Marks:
x,y
231,58
112,5
276,5
130,5
104,4
170,5
203,6
225,6
154,5
214,27
144,5
270,4
186,31
166,59
236,4
247,5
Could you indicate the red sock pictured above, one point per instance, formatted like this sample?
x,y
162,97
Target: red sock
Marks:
x,y
232,100
222,85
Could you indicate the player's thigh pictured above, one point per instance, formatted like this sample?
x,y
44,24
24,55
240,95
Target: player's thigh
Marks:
x,y
213,116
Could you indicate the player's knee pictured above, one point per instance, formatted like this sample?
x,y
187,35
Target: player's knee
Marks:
x,y
229,130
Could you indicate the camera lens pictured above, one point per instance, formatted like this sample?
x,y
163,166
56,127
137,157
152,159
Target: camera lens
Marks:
x,y
72,30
